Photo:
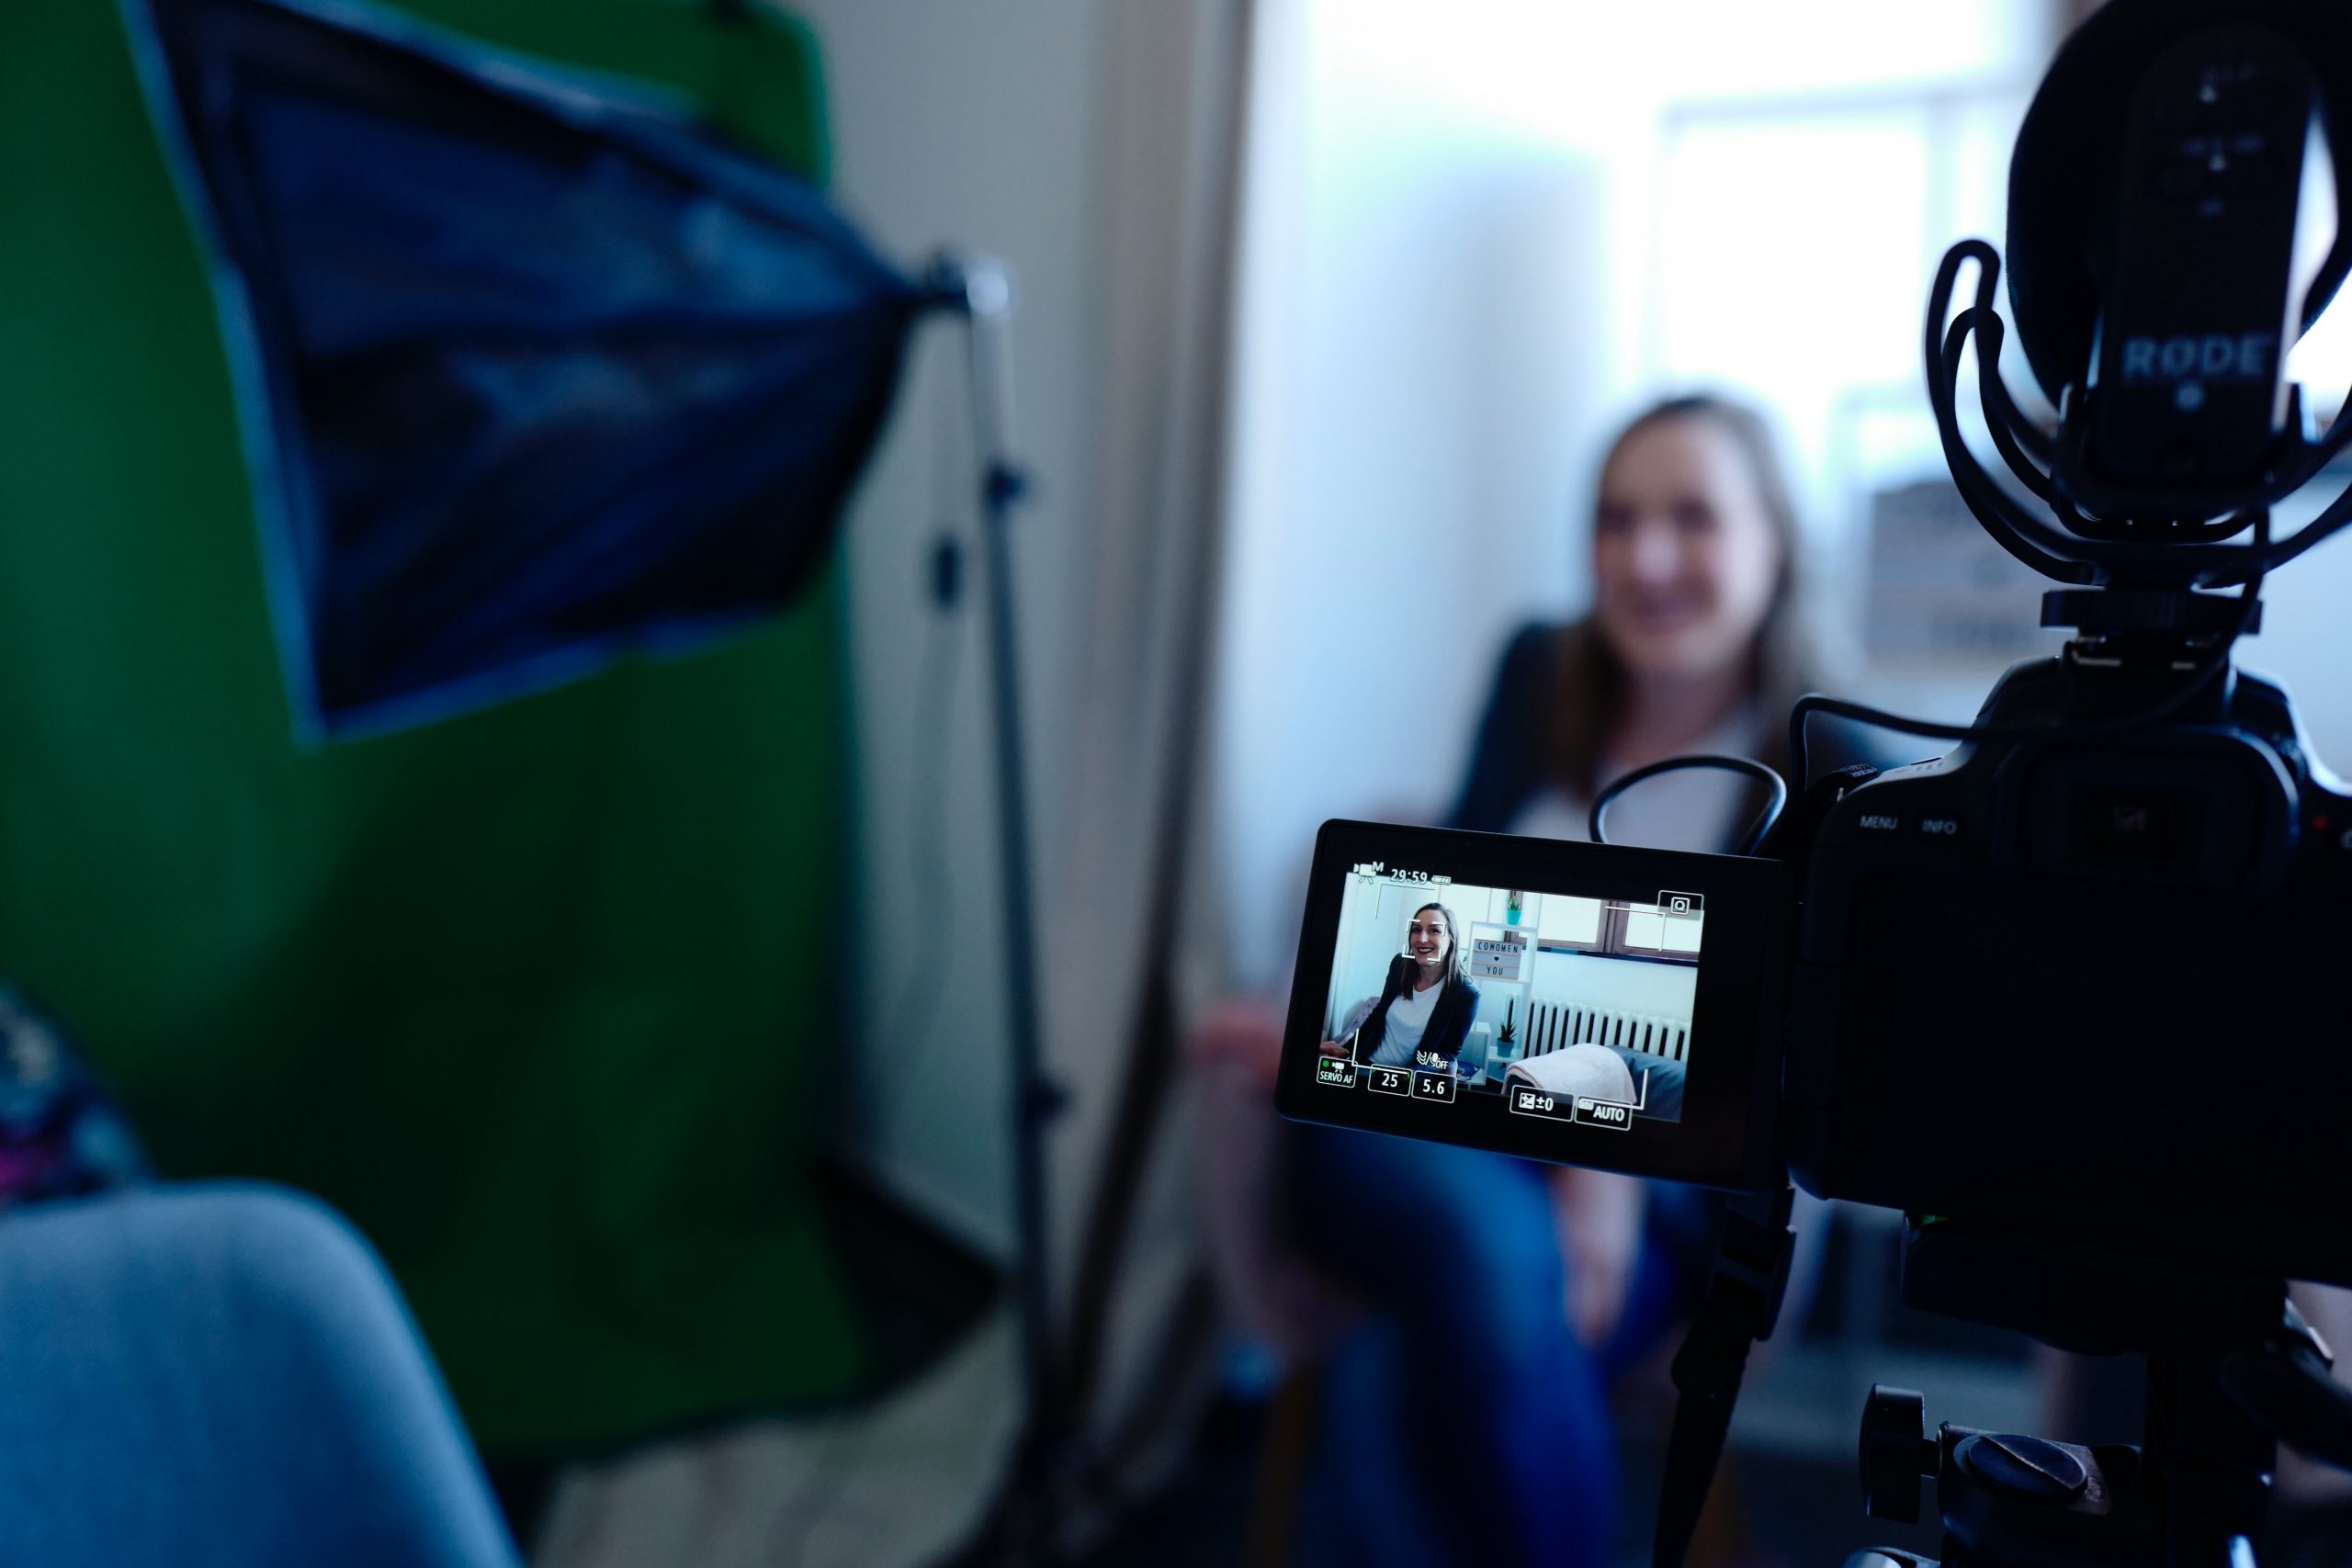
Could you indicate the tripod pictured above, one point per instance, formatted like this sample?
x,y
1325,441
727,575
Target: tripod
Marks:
x,y
2232,1368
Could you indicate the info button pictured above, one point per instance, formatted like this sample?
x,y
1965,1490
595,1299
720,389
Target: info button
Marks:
x,y
1940,827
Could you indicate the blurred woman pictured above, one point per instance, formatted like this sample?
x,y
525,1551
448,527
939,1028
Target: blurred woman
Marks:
x,y
1549,1281
1692,644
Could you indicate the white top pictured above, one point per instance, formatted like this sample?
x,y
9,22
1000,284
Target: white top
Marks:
x,y
1696,808
1408,1020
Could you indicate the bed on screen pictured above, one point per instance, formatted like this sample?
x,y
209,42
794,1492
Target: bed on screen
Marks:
x,y
1601,1053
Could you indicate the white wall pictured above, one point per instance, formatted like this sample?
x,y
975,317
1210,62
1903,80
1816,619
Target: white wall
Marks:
x,y
1372,927
967,124
1426,332
2306,640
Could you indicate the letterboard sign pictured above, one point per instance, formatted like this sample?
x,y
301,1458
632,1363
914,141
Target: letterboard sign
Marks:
x,y
1498,953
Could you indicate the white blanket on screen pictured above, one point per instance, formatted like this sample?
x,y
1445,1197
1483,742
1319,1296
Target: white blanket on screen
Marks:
x,y
1586,1071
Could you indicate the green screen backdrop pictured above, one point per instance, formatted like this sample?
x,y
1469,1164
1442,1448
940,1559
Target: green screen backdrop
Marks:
x,y
539,997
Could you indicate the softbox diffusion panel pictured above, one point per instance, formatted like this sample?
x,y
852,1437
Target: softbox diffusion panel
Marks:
x,y
530,375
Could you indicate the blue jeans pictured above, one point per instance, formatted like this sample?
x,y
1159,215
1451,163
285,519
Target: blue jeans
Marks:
x,y
221,1375
1496,1446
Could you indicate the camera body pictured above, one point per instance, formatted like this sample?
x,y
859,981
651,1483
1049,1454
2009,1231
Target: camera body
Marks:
x,y
2091,990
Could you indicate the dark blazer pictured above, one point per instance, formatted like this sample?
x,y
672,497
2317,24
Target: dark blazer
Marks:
x,y
1449,1024
1507,759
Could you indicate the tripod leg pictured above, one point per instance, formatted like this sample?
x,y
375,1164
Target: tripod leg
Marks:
x,y
2210,1464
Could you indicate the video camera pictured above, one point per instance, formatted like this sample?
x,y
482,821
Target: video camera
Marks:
x,y
2066,994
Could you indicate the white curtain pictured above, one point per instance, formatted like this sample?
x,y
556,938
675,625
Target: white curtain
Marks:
x,y
1129,873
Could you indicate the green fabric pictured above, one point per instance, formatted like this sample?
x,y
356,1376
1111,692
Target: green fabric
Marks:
x,y
536,996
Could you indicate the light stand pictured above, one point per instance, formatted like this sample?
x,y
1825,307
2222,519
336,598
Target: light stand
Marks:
x,y
1027,1526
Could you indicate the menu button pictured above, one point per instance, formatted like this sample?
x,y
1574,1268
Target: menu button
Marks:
x,y
1882,823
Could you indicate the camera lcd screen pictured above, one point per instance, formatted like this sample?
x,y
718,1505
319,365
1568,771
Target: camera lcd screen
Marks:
x,y
1590,1004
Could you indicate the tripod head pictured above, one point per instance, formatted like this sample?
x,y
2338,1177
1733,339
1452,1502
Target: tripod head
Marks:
x,y
2232,1370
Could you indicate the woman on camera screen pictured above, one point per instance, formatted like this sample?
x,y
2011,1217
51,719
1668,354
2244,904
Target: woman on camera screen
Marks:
x,y
1423,1012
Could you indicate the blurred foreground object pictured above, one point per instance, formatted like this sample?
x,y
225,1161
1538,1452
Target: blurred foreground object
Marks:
x,y
61,1136
223,1375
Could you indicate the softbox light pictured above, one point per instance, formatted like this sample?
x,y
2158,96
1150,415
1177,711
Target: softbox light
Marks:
x,y
531,374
